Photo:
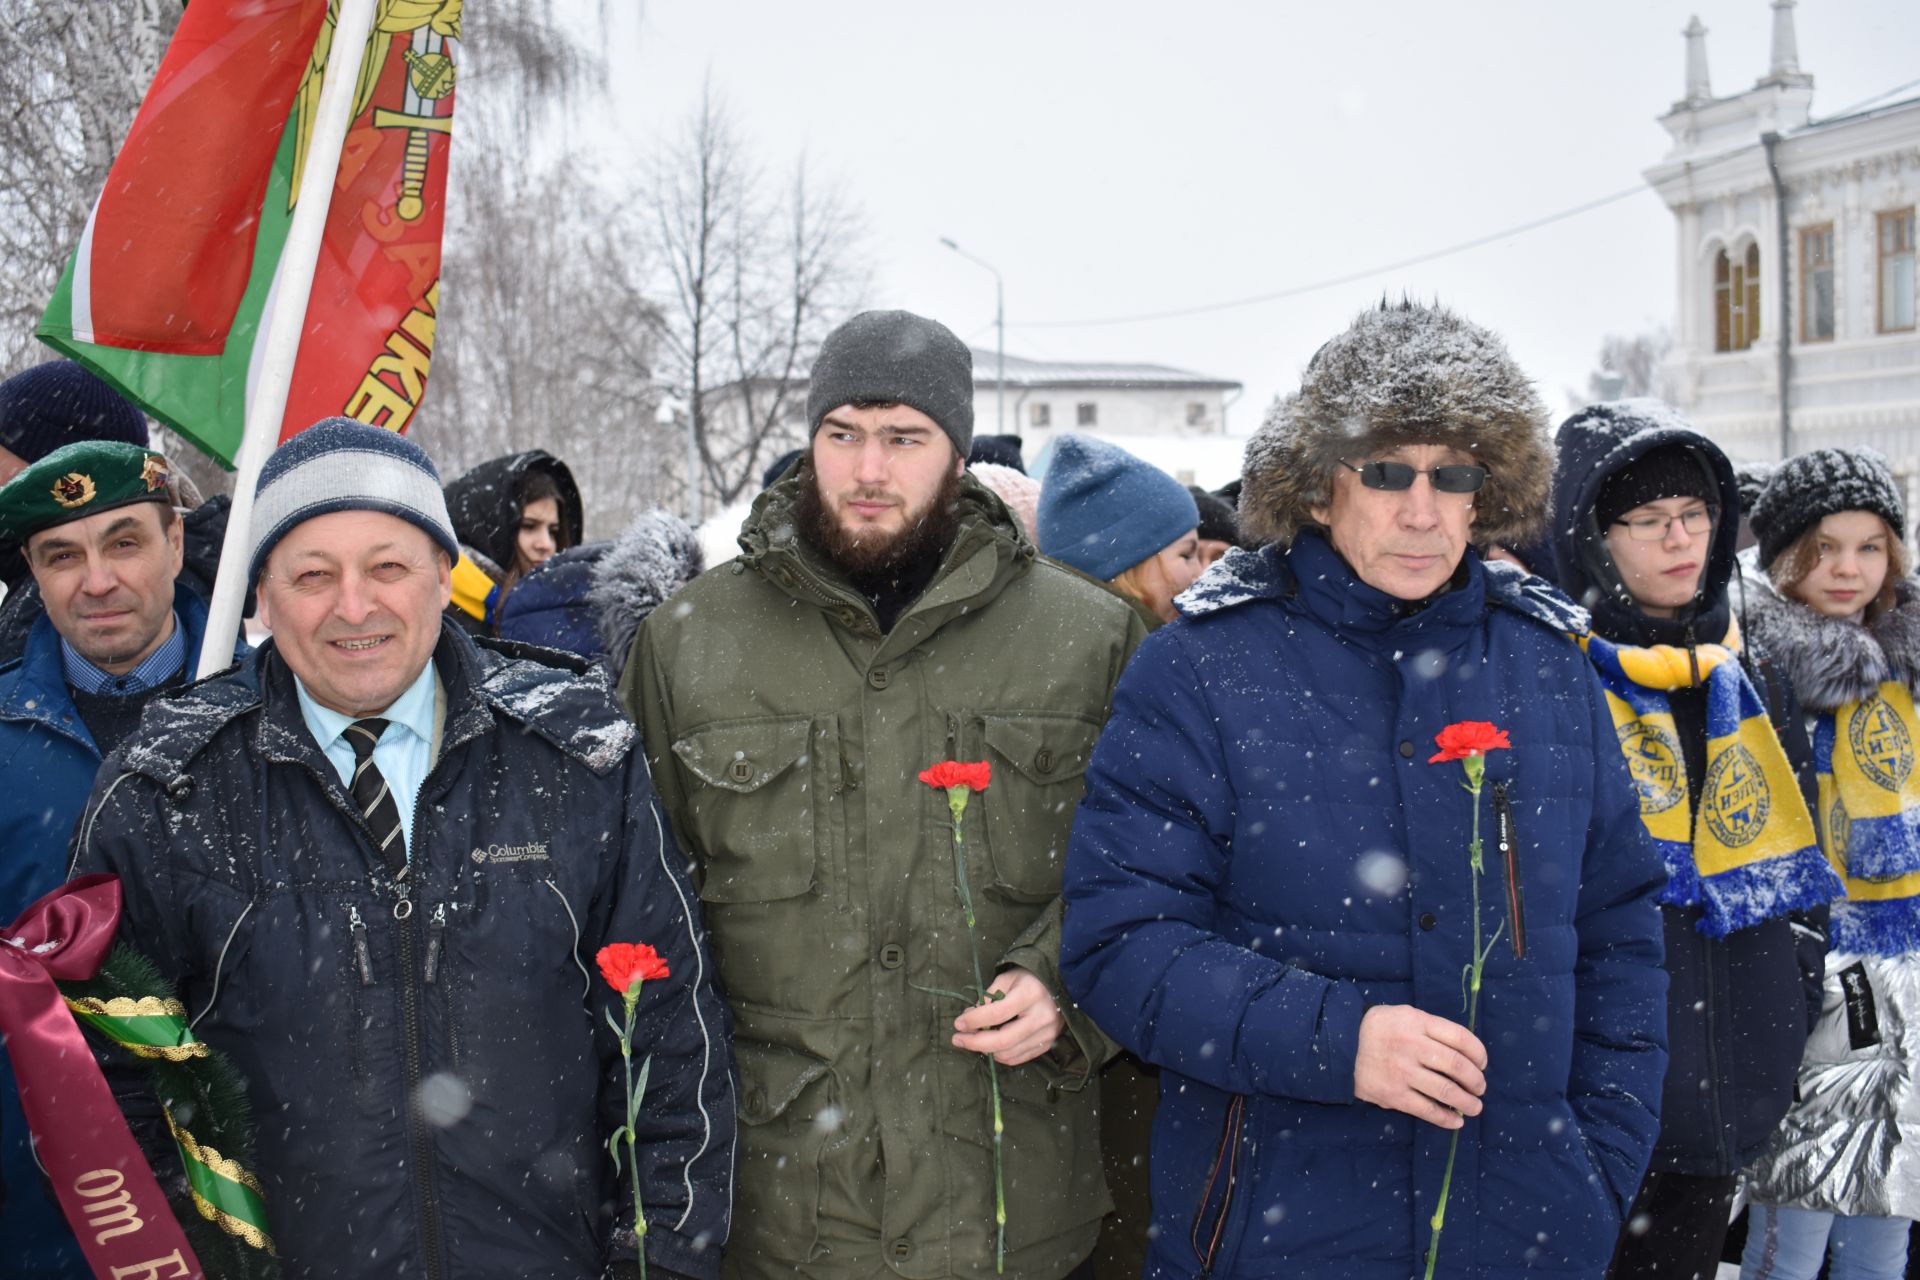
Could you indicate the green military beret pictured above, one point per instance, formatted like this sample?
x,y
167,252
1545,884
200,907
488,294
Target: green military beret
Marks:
x,y
80,480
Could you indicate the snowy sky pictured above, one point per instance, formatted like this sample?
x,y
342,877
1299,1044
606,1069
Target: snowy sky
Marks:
x,y
1125,158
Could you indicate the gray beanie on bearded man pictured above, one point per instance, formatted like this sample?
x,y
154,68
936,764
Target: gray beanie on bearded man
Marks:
x,y
896,357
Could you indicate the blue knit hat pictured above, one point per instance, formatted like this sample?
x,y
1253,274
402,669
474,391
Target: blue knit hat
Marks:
x,y
1103,511
61,403
339,464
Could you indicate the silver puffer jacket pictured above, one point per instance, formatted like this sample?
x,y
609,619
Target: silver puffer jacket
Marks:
x,y
1851,1143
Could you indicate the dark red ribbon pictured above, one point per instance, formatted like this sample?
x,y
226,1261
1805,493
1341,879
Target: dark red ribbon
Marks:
x,y
105,1188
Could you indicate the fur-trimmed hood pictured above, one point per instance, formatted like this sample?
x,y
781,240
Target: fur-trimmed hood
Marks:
x,y
1832,661
1403,374
656,556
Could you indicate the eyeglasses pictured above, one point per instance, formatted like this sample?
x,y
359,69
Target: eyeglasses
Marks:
x,y
1654,528
1394,477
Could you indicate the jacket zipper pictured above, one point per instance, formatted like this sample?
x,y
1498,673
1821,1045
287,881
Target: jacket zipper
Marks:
x,y
362,955
1706,955
436,927
419,1136
421,1139
1713,1052
1226,1161
1504,837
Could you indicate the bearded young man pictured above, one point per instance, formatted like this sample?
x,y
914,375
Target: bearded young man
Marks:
x,y
886,614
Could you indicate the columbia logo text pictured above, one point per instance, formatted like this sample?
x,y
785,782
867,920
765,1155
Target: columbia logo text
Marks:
x,y
534,851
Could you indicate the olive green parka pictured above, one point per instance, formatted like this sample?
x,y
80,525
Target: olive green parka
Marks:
x,y
785,733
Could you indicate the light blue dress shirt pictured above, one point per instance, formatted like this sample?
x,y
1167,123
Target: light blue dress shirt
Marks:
x,y
404,753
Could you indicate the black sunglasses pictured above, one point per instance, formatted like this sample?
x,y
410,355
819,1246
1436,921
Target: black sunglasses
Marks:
x,y
1393,477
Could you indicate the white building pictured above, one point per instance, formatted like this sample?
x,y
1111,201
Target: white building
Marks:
x,y
1173,418
1795,260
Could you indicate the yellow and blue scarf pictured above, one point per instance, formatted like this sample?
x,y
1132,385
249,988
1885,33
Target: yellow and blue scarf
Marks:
x,y
1751,853
475,593
1870,807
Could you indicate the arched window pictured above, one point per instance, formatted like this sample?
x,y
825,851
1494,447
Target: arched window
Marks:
x,y
1736,299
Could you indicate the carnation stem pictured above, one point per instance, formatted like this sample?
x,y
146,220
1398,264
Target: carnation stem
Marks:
x,y
1475,775
957,805
632,1001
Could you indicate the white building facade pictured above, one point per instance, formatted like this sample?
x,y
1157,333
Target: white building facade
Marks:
x,y
1173,418
1795,321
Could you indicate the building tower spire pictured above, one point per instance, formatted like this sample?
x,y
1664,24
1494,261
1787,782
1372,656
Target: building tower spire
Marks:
x,y
1698,90
1786,50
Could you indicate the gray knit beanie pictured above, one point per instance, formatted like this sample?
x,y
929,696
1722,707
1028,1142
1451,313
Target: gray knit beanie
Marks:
x,y
896,357
339,464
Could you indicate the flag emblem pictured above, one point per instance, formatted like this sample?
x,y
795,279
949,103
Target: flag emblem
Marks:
x,y
166,295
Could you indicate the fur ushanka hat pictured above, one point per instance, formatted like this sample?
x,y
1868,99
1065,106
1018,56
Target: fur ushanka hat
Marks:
x,y
1401,374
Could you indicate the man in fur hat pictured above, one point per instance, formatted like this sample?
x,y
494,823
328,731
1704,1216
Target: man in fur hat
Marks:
x,y
1401,1004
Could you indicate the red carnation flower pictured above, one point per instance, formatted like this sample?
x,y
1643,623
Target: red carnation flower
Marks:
x,y
1468,738
624,963
951,773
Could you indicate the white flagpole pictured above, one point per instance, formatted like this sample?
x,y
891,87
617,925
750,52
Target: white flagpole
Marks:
x,y
282,323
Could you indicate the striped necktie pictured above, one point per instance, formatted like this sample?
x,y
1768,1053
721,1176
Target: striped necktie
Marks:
x,y
373,796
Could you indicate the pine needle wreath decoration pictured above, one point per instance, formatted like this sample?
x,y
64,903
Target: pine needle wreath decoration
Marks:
x,y
204,1101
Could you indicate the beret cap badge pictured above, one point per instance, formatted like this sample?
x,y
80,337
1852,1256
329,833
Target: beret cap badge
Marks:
x,y
74,489
153,472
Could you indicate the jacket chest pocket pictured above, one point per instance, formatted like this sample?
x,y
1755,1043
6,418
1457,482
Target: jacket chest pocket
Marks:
x,y
754,806
1039,768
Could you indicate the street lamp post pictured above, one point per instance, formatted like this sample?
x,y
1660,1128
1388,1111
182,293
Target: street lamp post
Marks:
x,y
1000,335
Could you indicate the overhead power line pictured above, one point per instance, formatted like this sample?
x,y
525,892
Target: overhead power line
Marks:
x,y
1299,289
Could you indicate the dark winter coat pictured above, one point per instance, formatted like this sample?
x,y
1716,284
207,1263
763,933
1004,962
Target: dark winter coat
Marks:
x,y
431,1069
786,732
1265,851
485,505
1739,1007
48,759
548,605
202,530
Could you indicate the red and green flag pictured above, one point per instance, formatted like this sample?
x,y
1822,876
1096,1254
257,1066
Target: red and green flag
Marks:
x,y
165,294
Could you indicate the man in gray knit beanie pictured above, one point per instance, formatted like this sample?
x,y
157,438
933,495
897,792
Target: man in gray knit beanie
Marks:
x,y
390,849
888,614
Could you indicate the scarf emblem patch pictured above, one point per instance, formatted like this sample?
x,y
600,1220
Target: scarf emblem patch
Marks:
x,y
1735,799
1653,758
1881,744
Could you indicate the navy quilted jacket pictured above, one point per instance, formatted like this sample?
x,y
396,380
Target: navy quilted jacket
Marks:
x,y
1264,852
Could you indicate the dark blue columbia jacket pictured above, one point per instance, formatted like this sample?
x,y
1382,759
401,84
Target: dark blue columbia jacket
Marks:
x,y
1264,851
431,1073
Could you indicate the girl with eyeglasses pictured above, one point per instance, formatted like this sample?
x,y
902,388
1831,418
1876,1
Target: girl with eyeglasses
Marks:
x,y
1644,538
1833,601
